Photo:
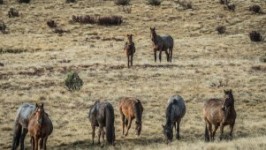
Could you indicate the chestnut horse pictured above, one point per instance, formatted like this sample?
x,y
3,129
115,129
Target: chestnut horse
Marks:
x,y
40,127
219,112
130,50
101,115
175,111
162,43
131,108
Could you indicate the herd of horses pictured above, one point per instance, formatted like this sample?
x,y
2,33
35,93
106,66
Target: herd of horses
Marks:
x,y
217,112
160,43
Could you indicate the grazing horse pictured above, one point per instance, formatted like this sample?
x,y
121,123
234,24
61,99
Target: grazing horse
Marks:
x,y
40,127
131,108
175,111
101,115
162,43
219,112
21,124
130,50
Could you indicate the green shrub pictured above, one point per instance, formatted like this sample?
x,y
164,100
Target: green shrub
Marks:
x,y
154,2
121,2
73,81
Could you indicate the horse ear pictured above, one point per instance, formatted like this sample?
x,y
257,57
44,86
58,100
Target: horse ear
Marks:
x,y
36,105
42,105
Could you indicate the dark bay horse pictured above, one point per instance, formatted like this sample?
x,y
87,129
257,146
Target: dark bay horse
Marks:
x,y
24,113
40,127
130,50
219,112
162,43
131,108
175,111
101,115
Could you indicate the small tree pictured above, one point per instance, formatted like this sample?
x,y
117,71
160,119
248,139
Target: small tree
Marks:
x,y
255,36
154,2
73,81
121,2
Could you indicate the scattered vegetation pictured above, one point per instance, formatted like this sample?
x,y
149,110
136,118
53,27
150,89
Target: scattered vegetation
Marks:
x,y
51,24
70,1
13,13
1,2
221,29
263,59
73,81
60,31
154,2
255,8
185,4
231,7
2,27
223,1
23,1
121,2
105,20
255,36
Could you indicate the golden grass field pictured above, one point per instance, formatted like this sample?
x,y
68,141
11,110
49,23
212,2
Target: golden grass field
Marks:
x,y
35,62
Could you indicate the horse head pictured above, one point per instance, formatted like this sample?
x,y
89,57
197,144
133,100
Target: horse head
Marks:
x,y
138,127
229,101
39,112
168,133
153,34
130,38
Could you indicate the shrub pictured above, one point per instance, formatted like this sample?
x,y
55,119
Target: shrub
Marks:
x,y
220,29
185,4
121,2
51,24
255,36
154,2
2,27
1,2
73,81
263,59
13,13
23,1
255,8
70,1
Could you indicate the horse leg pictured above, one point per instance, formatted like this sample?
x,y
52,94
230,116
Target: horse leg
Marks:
x,y
103,133
231,130
44,142
32,143
167,56
210,129
222,131
93,133
122,120
128,61
171,54
132,60
23,134
214,131
41,143
160,55
128,125
155,55
36,143
99,134
177,129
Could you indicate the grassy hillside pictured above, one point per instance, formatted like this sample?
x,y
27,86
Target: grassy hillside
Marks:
x,y
35,62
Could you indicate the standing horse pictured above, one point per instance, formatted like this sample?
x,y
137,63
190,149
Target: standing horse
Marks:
x,y
162,43
101,115
130,50
175,111
219,112
40,127
131,108
21,124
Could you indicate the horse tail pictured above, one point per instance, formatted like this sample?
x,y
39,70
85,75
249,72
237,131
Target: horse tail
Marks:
x,y
138,110
109,124
207,136
16,136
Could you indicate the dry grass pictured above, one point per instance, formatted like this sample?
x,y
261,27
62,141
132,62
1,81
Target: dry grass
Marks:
x,y
35,63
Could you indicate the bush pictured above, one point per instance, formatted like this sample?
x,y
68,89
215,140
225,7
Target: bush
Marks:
x,y
220,29
185,4
73,81
255,8
13,13
255,36
70,1
1,1
23,1
154,2
263,59
121,2
2,27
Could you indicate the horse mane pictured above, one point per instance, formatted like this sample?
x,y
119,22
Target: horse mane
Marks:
x,y
138,112
168,113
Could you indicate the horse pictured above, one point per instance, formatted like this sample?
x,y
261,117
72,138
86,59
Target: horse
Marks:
x,y
175,111
162,43
130,50
40,127
131,108
21,124
219,112
101,115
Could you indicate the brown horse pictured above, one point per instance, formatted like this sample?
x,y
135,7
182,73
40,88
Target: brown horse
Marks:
x,y
219,112
162,43
40,127
130,50
131,108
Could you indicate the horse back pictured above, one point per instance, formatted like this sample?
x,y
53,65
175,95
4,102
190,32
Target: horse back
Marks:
x,y
126,105
212,110
168,41
24,113
177,104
